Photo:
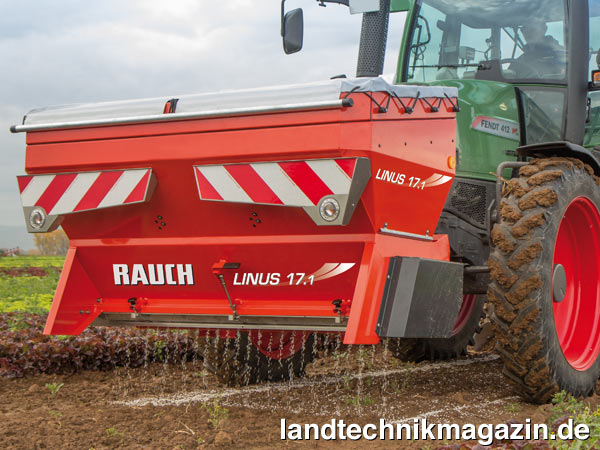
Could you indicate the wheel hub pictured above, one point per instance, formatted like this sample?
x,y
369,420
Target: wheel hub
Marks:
x,y
559,283
576,286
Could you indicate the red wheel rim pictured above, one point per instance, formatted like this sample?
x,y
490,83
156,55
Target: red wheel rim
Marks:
x,y
466,309
577,248
278,344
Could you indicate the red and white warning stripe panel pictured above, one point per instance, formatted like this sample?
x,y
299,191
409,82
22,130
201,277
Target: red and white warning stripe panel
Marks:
x,y
74,192
287,183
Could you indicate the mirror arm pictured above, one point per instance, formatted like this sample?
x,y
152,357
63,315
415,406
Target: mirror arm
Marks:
x,y
282,18
341,2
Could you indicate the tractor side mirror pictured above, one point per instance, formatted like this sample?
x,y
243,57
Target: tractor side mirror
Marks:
x,y
443,26
292,31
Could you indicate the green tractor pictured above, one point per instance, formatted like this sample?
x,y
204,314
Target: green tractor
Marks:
x,y
523,213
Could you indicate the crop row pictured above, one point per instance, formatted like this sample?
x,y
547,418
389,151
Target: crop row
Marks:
x,y
25,350
31,294
32,261
30,271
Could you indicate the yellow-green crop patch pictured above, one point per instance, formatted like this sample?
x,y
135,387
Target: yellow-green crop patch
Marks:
x,y
25,290
32,261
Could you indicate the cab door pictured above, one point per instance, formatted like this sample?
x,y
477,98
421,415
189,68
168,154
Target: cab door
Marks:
x,y
592,126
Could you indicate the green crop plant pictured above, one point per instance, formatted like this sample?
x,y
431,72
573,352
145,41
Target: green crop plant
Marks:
x,y
216,413
513,407
365,357
32,261
402,385
18,323
341,355
113,432
54,387
27,283
357,400
565,407
27,294
159,349
346,379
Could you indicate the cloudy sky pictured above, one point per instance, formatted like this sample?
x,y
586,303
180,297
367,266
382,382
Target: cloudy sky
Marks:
x,y
70,51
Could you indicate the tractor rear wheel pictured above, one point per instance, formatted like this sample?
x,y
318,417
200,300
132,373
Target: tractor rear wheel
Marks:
x,y
545,270
256,356
468,323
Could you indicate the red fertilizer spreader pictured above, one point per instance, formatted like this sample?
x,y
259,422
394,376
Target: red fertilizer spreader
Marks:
x,y
273,214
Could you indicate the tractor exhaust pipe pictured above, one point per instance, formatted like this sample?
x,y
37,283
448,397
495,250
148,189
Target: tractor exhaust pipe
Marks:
x,y
373,39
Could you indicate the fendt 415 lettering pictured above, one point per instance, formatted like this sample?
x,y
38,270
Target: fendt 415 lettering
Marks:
x,y
266,218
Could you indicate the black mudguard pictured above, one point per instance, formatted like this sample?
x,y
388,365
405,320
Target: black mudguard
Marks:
x,y
421,298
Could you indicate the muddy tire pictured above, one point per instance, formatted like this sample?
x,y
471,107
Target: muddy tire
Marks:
x,y
548,218
467,326
242,361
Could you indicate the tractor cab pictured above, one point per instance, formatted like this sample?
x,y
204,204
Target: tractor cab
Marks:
x,y
516,43
501,42
523,65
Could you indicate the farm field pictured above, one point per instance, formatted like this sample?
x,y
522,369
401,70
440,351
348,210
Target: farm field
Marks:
x,y
27,283
111,388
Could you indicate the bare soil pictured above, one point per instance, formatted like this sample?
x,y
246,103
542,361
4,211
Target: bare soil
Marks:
x,y
184,406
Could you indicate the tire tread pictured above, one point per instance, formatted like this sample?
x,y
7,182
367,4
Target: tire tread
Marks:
x,y
527,204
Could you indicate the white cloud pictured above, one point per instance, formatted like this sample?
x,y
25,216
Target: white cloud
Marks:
x,y
80,51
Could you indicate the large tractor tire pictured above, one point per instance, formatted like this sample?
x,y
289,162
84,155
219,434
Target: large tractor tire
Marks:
x,y
467,325
545,270
257,356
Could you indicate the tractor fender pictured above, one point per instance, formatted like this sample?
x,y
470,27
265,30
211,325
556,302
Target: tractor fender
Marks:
x,y
560,148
